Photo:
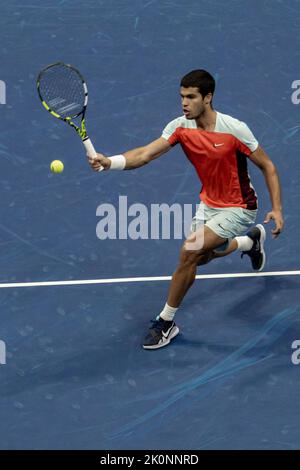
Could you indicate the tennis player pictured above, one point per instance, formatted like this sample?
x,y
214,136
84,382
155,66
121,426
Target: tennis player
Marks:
x,y
218,146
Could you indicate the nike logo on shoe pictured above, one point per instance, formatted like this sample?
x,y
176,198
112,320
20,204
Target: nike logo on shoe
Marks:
x,y
218,145
161,338
166,334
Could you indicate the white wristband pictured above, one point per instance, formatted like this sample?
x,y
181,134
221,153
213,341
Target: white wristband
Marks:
x,y
118,162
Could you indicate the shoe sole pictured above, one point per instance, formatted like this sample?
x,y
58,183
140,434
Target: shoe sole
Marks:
x,y
262,240
168,340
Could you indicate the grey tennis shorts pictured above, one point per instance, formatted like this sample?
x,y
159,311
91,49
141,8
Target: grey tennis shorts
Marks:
x,y
228,222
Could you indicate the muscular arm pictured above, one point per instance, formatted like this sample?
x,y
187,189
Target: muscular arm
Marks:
x,y
143,155
136,157
265,164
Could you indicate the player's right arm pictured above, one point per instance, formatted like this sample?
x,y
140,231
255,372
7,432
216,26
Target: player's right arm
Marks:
x,y
136,157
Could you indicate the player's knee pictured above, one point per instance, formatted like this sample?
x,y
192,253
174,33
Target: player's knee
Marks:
x,y
195,241
192,257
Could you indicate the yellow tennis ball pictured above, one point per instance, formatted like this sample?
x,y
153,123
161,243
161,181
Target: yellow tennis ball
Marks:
x,y
57,166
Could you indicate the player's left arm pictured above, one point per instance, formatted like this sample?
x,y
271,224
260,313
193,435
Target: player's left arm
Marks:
x,y
265,164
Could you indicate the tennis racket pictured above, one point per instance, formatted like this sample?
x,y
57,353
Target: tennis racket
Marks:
x,y
63,92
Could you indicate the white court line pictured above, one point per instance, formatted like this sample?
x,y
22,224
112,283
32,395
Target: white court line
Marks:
x,y
141,279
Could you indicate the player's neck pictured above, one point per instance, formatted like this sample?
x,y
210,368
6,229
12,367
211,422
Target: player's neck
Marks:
x,y
207,120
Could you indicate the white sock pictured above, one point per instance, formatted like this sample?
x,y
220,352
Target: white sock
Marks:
x,y
244,243
168,313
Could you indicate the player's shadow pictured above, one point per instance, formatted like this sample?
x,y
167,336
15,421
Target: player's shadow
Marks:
x,y
251,312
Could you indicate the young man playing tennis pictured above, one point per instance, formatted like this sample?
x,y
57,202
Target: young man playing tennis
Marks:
x,y
218,146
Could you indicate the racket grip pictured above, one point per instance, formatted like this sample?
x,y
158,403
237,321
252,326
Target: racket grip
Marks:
x,y
90,150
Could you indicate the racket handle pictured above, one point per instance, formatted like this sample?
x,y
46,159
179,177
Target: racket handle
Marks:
x,y
90,150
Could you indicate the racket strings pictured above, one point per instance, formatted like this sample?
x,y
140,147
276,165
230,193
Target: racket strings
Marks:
x,y
63,90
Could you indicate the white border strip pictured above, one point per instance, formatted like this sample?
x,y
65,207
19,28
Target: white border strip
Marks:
x,y
141,279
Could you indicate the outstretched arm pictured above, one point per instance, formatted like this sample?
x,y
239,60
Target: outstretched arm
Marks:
x,y
265,164
133,158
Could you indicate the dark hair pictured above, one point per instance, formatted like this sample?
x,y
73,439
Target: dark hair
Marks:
x,y
201,79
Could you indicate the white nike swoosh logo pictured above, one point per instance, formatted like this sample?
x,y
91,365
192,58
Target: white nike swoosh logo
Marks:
x,y
218,145
167,333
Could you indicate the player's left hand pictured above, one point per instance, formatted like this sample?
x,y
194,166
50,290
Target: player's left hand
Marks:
x,y
275,215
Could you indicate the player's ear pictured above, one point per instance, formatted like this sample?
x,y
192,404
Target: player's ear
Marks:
x,y
208,98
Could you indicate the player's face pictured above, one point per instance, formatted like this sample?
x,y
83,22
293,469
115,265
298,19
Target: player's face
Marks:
x,y
193,105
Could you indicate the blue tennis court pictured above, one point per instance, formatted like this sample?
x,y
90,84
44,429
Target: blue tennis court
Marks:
x,y
75,309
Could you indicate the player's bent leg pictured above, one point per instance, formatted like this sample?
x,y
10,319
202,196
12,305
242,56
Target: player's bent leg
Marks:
x,y
185,274
251,244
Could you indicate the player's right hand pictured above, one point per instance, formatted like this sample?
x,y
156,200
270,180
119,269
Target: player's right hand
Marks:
x,y
101,161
